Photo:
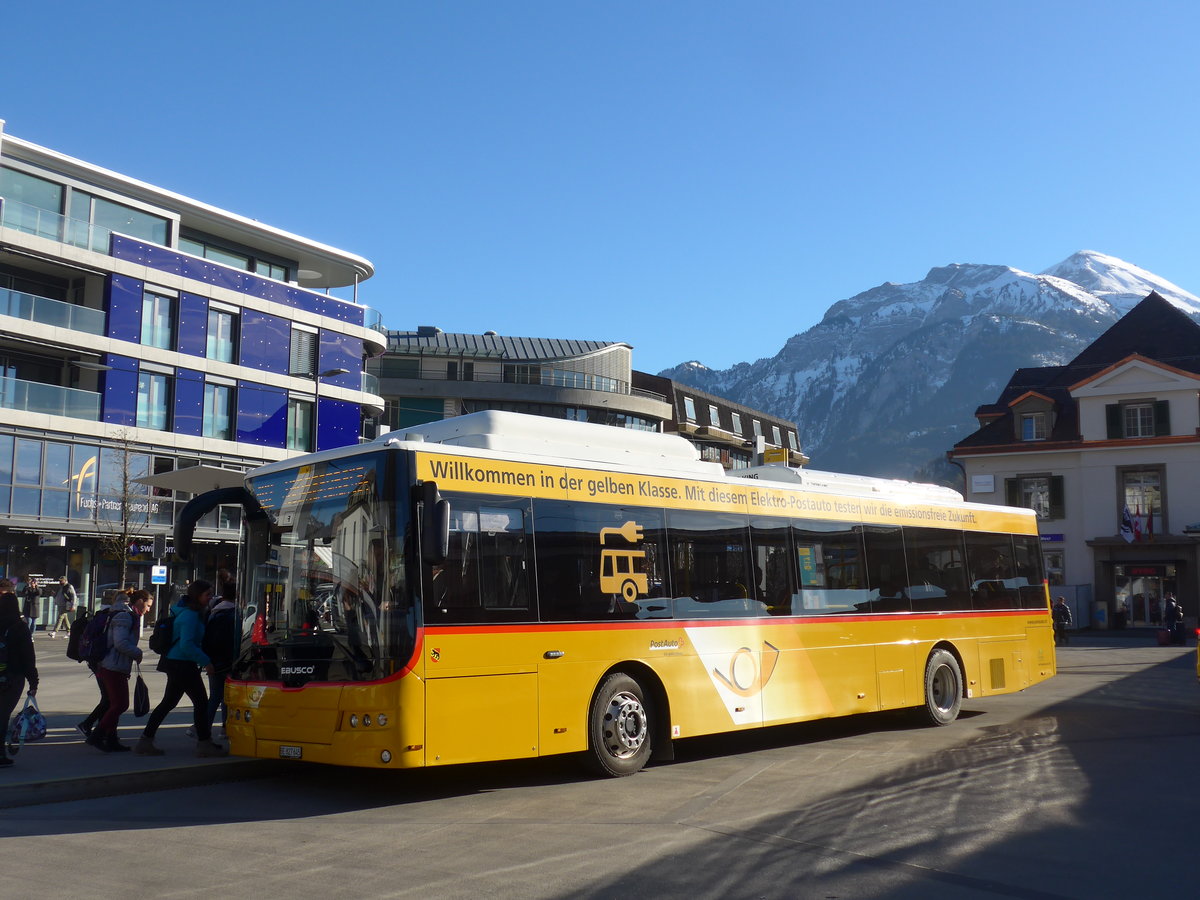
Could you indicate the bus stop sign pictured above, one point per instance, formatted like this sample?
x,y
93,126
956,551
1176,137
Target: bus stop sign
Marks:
x,y
158,574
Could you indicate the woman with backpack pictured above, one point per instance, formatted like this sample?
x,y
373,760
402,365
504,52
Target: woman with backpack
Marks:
x,y
18,664
114,670
182,664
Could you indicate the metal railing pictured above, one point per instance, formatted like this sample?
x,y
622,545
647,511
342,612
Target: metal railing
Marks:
x,y
33,308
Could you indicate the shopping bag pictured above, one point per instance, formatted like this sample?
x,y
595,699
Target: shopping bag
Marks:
x,y
141,696
29,725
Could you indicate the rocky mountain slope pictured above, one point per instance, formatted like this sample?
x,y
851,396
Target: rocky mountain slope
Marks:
x,y
889,379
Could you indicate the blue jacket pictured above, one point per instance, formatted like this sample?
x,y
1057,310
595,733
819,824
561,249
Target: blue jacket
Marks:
x,y
187,636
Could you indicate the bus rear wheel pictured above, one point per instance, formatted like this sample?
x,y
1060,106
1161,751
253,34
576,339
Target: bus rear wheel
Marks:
x,y
619,727
943,688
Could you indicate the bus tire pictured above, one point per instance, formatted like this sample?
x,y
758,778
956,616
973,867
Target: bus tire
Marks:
x,y
620,729
943,688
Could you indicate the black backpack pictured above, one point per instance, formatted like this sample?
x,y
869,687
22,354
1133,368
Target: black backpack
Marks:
x,y
163,636
76,635
93,643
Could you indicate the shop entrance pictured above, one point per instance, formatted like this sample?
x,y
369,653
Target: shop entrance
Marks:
x,y
1139,593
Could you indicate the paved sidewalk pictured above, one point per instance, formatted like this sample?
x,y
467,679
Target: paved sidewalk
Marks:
x,y
62,767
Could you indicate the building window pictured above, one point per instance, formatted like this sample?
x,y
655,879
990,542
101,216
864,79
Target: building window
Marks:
x,y
714,416
233,258
154,401
300,425
775,436
758,432
1142,494
222,335
158,321
737,424
521,373
1041,493
100,217
1055,569
689,409
792,441
464,371
218,411
1033,426
1138,419
303,357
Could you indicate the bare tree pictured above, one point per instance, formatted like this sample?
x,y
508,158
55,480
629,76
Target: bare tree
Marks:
x,y
122,516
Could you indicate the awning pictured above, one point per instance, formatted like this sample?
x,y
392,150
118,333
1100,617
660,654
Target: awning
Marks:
x,y
194,479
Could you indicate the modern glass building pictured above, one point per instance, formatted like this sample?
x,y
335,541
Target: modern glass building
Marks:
x,y
153,346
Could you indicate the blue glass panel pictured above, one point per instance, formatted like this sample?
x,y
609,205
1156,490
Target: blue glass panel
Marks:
x,y
193,324
261,415
337,423
341,351
124,305
120,390
189,402
264,341
160,258
197,269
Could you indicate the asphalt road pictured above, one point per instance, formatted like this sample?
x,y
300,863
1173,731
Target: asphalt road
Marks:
x,y
1080,787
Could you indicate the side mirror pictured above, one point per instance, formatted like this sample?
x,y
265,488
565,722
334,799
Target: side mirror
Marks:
x,y
435,526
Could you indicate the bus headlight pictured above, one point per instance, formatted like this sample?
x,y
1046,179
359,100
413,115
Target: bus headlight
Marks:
x,y
367,720
353,721
386,756
247,717
381,720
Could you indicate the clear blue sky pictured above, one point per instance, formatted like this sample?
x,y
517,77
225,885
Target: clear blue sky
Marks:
x,y
699,179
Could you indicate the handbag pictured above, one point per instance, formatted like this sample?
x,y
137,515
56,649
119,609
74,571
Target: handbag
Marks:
x,y
29,725
141,695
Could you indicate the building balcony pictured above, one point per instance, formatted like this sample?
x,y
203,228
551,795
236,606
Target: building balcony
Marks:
x,y
53,226
45,311
49,399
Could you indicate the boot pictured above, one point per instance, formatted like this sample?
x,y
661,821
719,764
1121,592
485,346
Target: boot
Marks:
x,y
112,745
145,747
98,739
208,748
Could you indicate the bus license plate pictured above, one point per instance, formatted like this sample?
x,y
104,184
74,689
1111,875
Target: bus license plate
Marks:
x,y
286,752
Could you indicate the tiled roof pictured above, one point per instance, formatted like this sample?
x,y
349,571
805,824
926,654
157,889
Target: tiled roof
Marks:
x,y
1154,328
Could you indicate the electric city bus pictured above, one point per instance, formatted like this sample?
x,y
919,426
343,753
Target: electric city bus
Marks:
x,y
501,586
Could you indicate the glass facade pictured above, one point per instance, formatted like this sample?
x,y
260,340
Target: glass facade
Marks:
x,y
218,412
158,321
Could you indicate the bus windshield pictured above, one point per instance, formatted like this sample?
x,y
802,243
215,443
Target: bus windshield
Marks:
x,y
324,594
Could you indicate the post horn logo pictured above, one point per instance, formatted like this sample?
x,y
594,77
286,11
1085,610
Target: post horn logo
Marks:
x,y
745,677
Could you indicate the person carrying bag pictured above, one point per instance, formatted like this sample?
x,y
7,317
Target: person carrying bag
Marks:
x,y
18,667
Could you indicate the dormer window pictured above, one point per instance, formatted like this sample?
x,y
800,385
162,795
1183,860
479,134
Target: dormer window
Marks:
x,y
1138,419
1033,426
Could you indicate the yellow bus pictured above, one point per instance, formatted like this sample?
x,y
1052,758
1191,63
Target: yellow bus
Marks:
x,y
499,586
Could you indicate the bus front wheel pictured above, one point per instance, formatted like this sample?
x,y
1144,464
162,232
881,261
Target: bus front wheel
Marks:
x,y
943,688
619,727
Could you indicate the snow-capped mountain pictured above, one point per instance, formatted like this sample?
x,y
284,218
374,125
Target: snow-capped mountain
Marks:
x,y
889,379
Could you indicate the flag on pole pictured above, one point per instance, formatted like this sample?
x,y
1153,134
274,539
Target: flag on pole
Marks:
x,y
1137,523
1127,526
1150,525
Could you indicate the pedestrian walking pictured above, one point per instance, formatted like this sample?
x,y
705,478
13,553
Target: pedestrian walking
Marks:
x,y
32,595
1173,620
1062,618
85,727
18,663
182,664
220,643
64,603
114,669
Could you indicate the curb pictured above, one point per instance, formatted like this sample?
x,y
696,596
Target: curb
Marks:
x,y
63,790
